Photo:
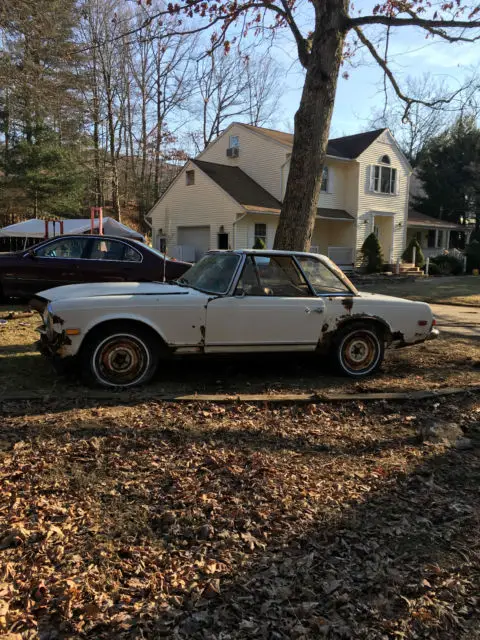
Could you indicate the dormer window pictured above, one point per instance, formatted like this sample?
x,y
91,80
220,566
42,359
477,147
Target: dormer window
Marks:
x,y
190,177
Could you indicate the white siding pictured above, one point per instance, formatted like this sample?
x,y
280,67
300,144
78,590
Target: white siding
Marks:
x,y
203,203
260,157
245,230
342,187
370,202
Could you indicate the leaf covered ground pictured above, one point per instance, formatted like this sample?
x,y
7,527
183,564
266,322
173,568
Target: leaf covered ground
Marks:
x,y
241,521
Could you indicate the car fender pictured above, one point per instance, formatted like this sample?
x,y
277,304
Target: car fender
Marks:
x,y
123,317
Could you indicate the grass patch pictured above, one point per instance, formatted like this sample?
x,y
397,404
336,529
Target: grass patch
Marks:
x,y
461,290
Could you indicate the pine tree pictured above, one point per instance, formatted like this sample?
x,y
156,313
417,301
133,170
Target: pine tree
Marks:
x,y
372,257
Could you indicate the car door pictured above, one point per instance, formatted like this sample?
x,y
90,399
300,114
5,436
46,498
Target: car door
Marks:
x,y
272,309
51,264
110,260
339,300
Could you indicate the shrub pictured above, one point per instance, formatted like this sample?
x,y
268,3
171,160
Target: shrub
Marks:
x,y
407,255
433,269
473,255
372,258
448,265
259,244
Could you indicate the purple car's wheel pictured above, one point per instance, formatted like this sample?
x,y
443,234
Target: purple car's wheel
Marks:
x,y
358,350
120,358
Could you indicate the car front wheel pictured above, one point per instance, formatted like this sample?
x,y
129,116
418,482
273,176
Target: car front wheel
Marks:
x,y
119,357
358,350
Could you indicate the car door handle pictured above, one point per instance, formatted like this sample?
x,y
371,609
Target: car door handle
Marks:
x,y
314,310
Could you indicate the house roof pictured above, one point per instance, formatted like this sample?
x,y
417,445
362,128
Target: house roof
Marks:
x,y
240,186
416,219
346,147
250,194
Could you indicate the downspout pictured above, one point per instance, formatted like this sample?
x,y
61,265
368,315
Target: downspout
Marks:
x,y
234,229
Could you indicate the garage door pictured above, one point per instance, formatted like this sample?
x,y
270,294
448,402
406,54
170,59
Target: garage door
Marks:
x,y
197,237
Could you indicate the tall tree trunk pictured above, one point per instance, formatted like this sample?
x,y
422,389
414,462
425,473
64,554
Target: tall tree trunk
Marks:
x,y
96,145
312,125
113,157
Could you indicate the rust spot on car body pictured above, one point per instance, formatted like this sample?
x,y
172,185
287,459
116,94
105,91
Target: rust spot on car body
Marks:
x,y
57,320
347,303
325,327
202,333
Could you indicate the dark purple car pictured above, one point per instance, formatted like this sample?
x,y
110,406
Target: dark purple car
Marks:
x,y
83,258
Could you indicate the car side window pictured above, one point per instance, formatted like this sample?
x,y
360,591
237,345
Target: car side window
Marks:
x,y
73,248
279,276
103,249
320,277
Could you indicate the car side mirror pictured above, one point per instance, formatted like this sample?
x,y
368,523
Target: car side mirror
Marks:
x,y
31,254
239,293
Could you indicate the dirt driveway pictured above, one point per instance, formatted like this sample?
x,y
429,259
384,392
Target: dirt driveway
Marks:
x,y
458,320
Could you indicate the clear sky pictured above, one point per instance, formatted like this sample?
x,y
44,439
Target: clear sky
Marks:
x,y
411,54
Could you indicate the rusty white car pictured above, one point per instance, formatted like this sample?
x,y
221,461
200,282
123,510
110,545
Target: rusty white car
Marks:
x,y
229,302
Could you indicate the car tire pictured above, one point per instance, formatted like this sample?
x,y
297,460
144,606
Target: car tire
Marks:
x,y
119,356
358,350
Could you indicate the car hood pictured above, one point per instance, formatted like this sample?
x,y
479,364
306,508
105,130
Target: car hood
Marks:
x,y
108,289
382,298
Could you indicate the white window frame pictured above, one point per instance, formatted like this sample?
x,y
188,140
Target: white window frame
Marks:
x,y
376,180
234,142
325,180
259,235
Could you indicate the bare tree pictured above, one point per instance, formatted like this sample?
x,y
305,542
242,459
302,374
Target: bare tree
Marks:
x,y
234,86
423,122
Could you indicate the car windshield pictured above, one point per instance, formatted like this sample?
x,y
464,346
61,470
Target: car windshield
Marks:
x,y
212,274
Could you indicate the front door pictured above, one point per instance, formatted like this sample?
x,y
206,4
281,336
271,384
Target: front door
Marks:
x,y
273,309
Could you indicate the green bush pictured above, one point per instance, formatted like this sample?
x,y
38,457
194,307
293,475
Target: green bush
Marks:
x,y
372,258
433,269
448,265
259,244
473,255
407,255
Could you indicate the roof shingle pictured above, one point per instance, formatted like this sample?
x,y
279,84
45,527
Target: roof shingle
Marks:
x,y
250,194
345,147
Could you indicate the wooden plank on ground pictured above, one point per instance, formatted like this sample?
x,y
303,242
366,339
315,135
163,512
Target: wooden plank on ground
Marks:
x,y
275,398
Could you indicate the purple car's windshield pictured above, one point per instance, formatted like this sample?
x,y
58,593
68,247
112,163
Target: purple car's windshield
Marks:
x,y
212,274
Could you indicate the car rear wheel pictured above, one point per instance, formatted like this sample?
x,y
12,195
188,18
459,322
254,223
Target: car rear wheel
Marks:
x,y
358,350
119,356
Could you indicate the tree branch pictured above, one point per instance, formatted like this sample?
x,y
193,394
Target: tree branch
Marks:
x,y
415,21
383,64
303,54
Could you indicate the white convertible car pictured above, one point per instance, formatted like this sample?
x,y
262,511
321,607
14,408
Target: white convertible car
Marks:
x,y
229,302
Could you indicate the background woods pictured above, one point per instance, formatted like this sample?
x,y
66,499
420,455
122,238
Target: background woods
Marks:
x,y
101,105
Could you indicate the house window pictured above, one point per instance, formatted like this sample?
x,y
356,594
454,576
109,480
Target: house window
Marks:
x,y
190,177
385,160
260,239
234,142
384,179
324,186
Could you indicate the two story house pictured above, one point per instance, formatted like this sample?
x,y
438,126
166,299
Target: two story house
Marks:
x,y
230,195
